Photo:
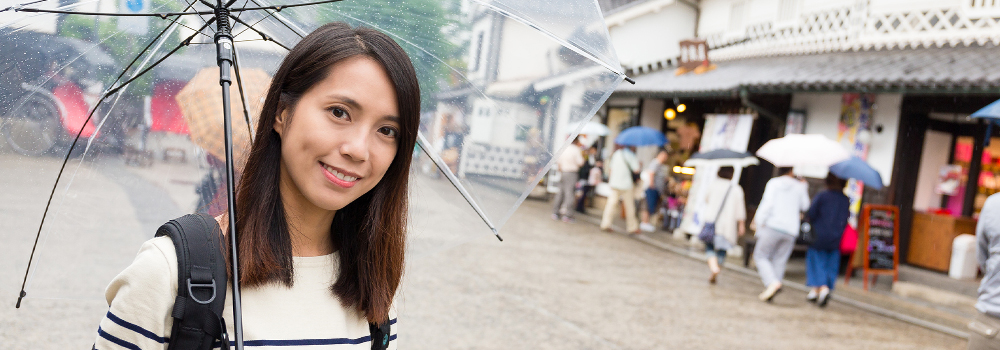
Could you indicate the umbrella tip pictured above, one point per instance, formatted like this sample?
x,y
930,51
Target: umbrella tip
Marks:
x,y
629,80
495,233
19,297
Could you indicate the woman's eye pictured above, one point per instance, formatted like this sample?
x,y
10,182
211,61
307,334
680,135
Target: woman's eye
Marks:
x,y
338,113
388,131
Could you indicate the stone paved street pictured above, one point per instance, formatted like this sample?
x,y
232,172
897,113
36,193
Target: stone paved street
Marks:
x,y
549,285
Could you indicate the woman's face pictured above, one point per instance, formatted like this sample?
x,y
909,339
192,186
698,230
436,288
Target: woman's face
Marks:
x,y
340,138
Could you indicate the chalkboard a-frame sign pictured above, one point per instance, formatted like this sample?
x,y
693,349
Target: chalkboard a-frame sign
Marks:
x,y
880,231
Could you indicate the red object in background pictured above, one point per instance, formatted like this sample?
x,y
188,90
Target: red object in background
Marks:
x,y
164,109
76,109
963,151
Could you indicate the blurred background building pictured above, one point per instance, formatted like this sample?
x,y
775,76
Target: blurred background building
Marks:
x,y
893,80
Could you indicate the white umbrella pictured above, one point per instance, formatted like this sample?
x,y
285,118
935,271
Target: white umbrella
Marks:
x,y
594,128
803,149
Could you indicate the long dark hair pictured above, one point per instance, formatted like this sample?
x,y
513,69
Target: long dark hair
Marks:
x,y
370,232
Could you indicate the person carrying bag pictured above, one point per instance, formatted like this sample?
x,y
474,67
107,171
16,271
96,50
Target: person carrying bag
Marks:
x,y
721,232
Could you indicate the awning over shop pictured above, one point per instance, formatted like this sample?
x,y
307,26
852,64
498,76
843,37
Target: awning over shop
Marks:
x,y
934,70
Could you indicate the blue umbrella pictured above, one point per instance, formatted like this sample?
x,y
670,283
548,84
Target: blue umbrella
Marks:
x,y
992,114
855,168
991,111
641,136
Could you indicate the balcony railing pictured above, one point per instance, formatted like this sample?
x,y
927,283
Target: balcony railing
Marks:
x,y
861,26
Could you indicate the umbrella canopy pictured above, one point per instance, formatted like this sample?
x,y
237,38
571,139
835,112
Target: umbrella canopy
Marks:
x,y
722,157
858,169
641,136
201,106
478,96
802,150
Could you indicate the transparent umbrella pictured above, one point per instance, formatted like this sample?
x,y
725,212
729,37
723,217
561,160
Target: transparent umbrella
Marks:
x,y
98,144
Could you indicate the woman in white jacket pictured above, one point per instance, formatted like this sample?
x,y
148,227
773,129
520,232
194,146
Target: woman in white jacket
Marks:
x,y
777,224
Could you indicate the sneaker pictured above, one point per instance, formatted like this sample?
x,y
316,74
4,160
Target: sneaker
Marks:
x,y
769,293
812,296
647,227
823,298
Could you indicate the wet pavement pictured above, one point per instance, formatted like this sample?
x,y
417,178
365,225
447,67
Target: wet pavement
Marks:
x,y
549,285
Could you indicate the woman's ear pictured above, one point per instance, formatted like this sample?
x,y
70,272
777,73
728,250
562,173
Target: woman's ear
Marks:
x,y
280,120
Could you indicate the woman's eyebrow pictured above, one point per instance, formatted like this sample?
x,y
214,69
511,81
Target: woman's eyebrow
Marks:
x,y
346,100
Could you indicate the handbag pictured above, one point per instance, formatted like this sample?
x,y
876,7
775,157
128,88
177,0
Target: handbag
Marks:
x,y
806,234
707,233
635,176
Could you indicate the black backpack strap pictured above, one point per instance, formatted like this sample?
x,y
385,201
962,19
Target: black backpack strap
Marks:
x,y
201,283
380,335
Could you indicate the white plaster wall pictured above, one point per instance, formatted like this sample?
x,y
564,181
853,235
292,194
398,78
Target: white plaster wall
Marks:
x,y
823,117
937,146
654,36
525,53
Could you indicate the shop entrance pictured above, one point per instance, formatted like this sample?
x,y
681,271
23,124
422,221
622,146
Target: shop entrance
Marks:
x,y
943,175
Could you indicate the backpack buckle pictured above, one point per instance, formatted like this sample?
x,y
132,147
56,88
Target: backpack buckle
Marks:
x,y
201,285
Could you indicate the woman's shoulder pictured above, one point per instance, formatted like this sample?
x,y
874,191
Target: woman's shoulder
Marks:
x,y
154,268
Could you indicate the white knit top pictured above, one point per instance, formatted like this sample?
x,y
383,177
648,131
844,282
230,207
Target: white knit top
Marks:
x,y
307,315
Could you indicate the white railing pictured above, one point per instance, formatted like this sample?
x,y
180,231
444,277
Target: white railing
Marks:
x,y
864,25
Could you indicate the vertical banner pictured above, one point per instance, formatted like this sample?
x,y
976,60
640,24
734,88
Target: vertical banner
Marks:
x,y
854,132
722,131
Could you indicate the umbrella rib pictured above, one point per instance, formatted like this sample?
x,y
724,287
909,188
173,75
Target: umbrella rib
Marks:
x,y
281,7
269,15
281,20
265,36
65,161
239,85
422,142
15,7
163,15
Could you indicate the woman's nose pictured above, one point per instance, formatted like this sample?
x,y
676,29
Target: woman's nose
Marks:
x,y
355,144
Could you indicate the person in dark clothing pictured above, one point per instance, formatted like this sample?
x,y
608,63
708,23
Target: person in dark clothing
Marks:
x,y
828,216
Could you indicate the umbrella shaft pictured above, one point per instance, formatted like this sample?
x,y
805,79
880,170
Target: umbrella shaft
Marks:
x,y
224,49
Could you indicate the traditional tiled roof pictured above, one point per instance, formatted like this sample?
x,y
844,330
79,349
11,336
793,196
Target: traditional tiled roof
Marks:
x,y
957,69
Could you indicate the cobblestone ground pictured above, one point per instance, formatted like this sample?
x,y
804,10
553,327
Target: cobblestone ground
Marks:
x,y
549,285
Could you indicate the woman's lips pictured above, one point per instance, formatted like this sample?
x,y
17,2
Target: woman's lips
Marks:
x,y
332,173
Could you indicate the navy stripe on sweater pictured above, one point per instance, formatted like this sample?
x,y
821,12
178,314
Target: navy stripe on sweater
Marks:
x,y
116,340
135,328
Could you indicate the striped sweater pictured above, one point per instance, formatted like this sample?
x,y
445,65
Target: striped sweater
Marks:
x,y
307,315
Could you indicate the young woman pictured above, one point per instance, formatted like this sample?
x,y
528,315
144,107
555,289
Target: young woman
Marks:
x,y
726,207
828,216
322,205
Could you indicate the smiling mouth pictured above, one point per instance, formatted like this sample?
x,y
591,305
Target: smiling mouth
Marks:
x,y
339,175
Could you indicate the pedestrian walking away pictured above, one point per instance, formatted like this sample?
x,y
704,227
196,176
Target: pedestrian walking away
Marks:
x,y
655,179
568,164
828,216
777,224
727,210
585,174
302,222
986,325
622,181
594,176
